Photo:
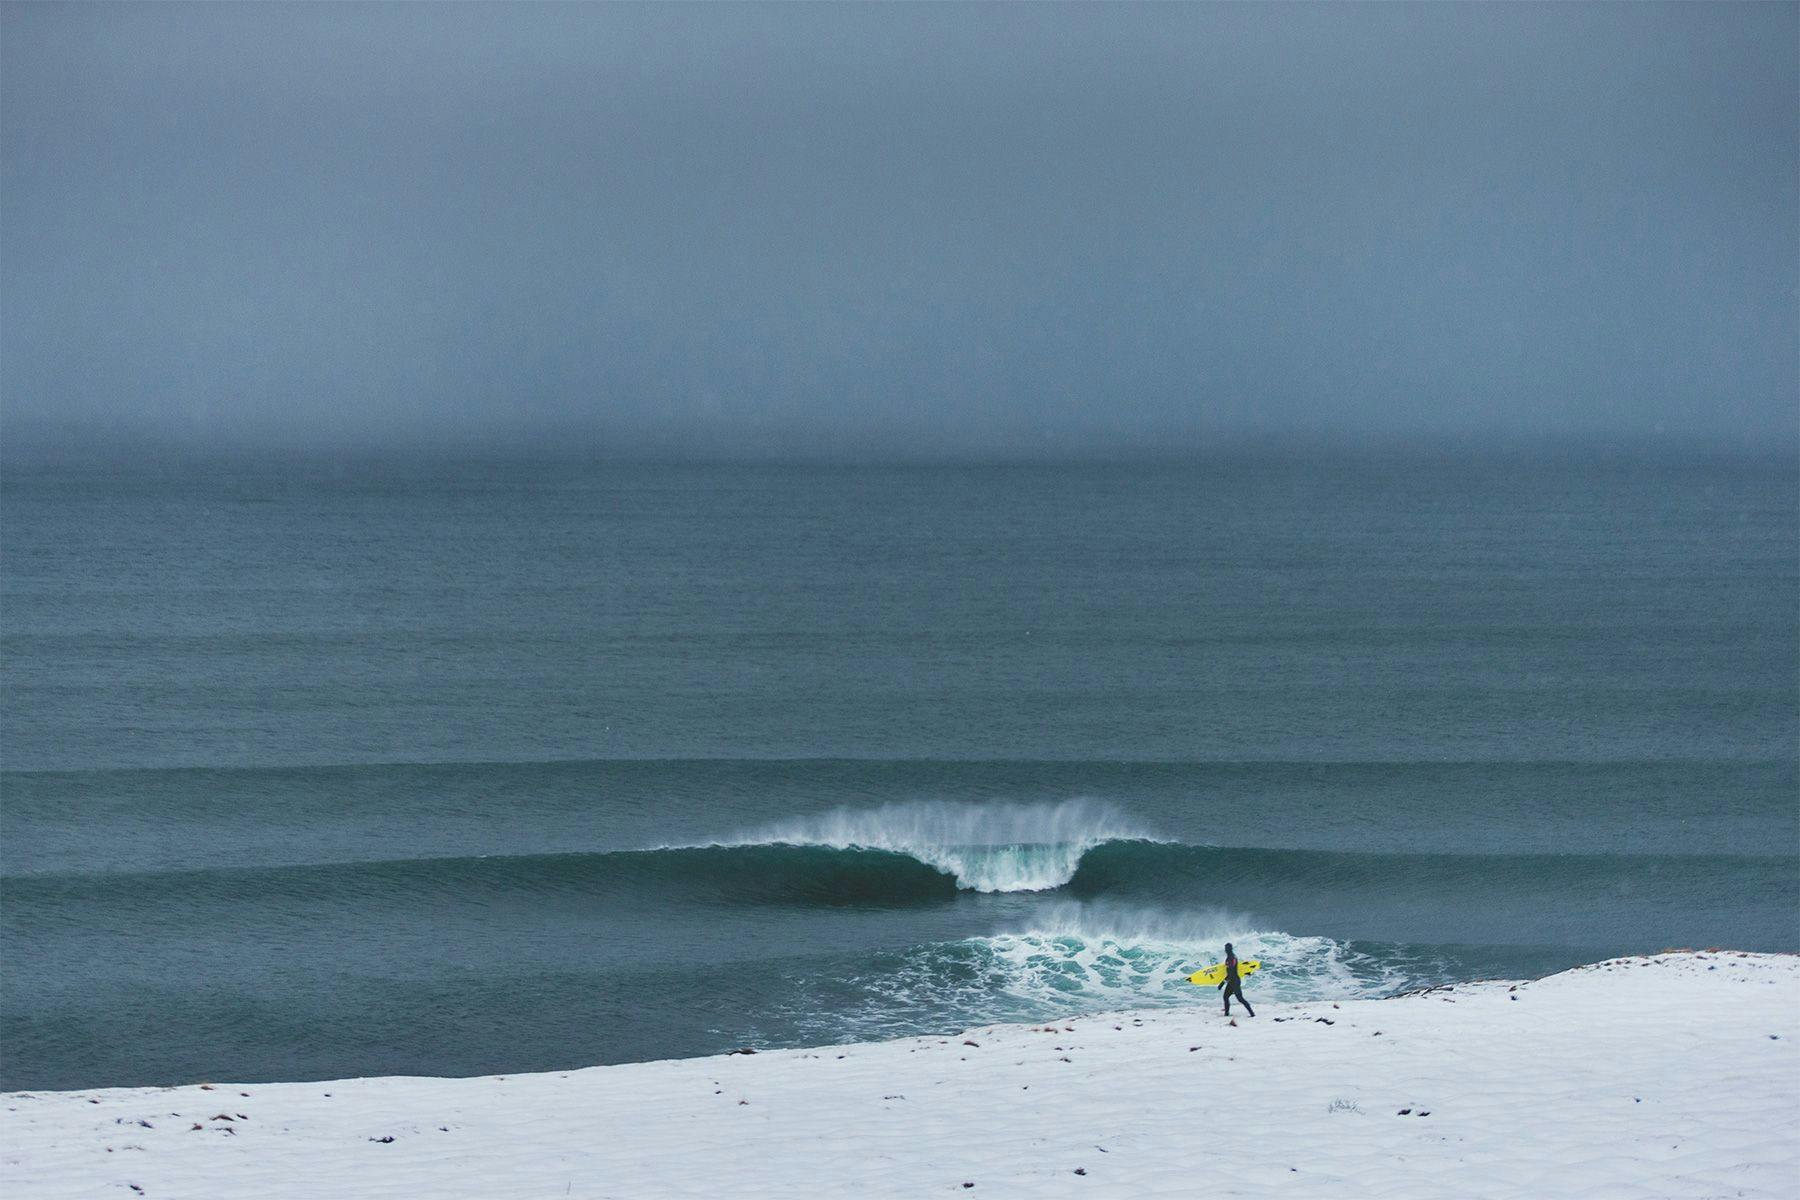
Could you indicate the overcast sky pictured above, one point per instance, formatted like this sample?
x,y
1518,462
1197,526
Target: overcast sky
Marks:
x,y
934,229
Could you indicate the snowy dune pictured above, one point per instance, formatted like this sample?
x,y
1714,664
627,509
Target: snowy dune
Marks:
x,y
1677,1075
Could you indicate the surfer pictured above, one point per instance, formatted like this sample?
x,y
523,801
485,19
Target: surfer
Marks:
x,y
1232,984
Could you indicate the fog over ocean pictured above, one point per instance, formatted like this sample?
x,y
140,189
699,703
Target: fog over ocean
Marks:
x,y
544,535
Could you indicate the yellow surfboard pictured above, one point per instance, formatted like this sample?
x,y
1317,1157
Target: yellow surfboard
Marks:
x,y
1213,974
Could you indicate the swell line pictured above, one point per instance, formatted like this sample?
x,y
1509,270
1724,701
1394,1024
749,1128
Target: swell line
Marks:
x,y
779,872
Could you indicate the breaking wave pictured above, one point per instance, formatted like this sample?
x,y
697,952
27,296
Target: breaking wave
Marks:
x,y
984,848
931,854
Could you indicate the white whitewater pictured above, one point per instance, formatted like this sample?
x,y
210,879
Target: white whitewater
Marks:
x,y
987,848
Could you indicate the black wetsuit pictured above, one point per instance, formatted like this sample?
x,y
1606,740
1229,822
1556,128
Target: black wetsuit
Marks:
x,y
1234,986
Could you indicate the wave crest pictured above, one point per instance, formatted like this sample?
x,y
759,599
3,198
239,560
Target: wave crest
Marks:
x,y
985,847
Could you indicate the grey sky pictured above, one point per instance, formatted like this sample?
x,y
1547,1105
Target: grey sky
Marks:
x,y
937,228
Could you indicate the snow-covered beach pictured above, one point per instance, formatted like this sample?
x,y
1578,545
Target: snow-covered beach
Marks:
x,y
1674,1075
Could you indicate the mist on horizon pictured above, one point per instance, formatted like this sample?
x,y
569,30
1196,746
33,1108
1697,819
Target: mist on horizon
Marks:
x,y
930,231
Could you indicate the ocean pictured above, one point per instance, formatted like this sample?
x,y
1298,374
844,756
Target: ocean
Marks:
x,y
316,767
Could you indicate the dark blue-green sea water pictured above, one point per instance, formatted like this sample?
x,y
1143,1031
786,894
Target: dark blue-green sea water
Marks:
x,y
325,767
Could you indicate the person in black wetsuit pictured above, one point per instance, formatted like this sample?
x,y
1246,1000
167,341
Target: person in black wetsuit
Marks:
x,y
1232,985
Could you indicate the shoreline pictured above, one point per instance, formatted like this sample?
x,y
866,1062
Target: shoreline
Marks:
x,y
1669,1074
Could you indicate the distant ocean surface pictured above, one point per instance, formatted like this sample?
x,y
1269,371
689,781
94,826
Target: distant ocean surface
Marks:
x,y
314,769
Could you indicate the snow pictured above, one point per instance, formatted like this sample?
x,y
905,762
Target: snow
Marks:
x,y
1674,1075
